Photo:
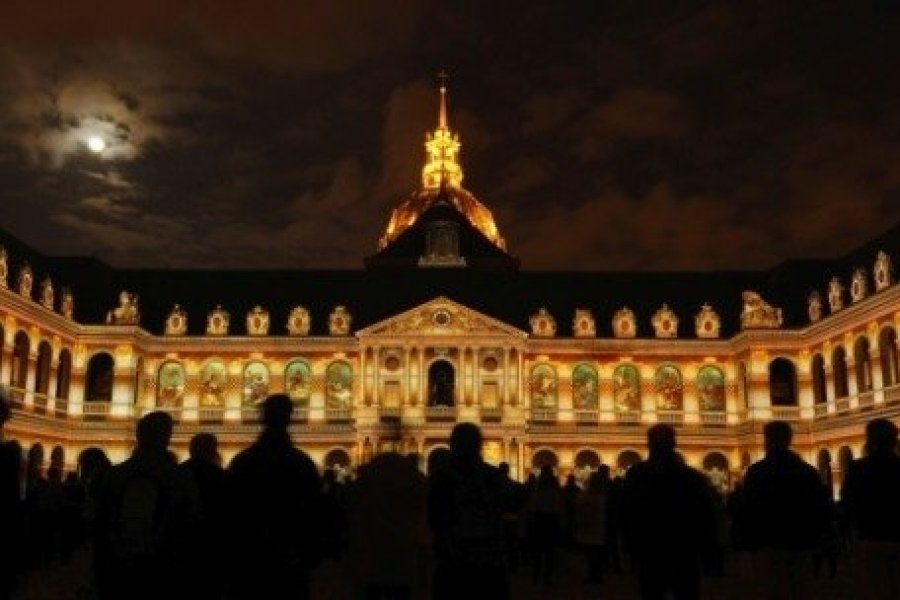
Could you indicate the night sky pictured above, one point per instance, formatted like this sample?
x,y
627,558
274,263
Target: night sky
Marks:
x,y
621,134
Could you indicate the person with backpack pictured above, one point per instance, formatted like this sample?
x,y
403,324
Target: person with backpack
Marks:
x,y
147,513
274,503
465,513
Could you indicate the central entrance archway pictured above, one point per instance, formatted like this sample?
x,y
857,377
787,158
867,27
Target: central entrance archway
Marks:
x,y
441,383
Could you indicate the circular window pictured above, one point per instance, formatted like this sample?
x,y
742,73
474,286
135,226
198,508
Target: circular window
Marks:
x,y
441,318
490,364
392,363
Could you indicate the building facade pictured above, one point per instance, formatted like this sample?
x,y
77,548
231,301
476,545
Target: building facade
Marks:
x,y
571,389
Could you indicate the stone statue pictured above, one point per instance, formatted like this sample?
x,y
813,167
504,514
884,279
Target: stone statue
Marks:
x,y
814,307
835,294
758,314
67,304
26,280
127,312
4,268
47,293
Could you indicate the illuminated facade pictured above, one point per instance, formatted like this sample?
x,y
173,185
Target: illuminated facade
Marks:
x,y
442,327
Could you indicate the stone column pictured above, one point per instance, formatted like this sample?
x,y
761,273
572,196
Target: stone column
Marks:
x,y
504,391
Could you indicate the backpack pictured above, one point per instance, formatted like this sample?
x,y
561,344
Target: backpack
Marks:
x,y
140,525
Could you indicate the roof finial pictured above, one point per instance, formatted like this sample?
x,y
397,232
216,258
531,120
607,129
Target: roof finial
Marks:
x,y
442,114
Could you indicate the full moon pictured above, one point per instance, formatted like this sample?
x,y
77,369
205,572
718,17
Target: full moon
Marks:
x,y
96,144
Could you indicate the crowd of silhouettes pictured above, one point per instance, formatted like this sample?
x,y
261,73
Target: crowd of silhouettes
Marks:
x,y
260,528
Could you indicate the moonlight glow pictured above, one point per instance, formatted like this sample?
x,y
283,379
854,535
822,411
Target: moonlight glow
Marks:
x,y
96,144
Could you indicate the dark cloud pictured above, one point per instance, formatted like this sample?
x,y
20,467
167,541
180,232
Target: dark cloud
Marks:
x,y
631,135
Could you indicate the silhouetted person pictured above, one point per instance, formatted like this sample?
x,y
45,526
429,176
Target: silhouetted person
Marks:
x,y
147,513
871,498
73,527
546,515
386,520
570,493
10,504
668,521
787,515
464,510
93,467
334,515
513,502
205,467
591,513
274,511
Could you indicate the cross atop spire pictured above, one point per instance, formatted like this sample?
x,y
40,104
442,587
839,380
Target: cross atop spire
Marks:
x,y
442,111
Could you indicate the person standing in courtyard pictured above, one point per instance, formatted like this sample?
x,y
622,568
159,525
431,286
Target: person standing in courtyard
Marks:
x,y
668,520
871,498
786,516
274,503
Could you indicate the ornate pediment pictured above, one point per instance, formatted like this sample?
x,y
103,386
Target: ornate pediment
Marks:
x,y
583,324
665,322
176,322
859,285
707,322
624,323
258,321
443,317
759,314
883,272
542,323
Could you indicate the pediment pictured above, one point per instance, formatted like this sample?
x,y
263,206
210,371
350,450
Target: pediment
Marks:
x,y
441,317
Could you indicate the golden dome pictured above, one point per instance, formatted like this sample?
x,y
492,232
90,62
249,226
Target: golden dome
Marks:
x,y
442,176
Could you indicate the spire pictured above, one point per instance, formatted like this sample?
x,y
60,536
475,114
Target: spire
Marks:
x,y
441,148
442,111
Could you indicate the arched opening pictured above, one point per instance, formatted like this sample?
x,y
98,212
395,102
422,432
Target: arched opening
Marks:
x,y
99,378
839,372
171,382
863,360
715,465
441,383
887,346
337,460
18,375
587,458
544,457
823,465
626,459
782,382
845,457
42,374
817,368
711,389
64,375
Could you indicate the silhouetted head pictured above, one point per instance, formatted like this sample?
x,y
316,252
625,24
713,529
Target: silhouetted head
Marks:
x,y
92,462
277,410
154,431
547,477
597,482
661,439
604,472
504,469
778,435
438,459
881,436
205,446
465,442
5,411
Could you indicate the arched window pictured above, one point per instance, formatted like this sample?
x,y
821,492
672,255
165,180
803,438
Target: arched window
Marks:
x,y
839,372
99,378
820,393
863,360
587,458
337,459
585,387
42,374
668,386
64,374
256,383
298,382
782,382
339,384
626,459
544,457
711,389
627,388
170,384
18,375
887,346
543,386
